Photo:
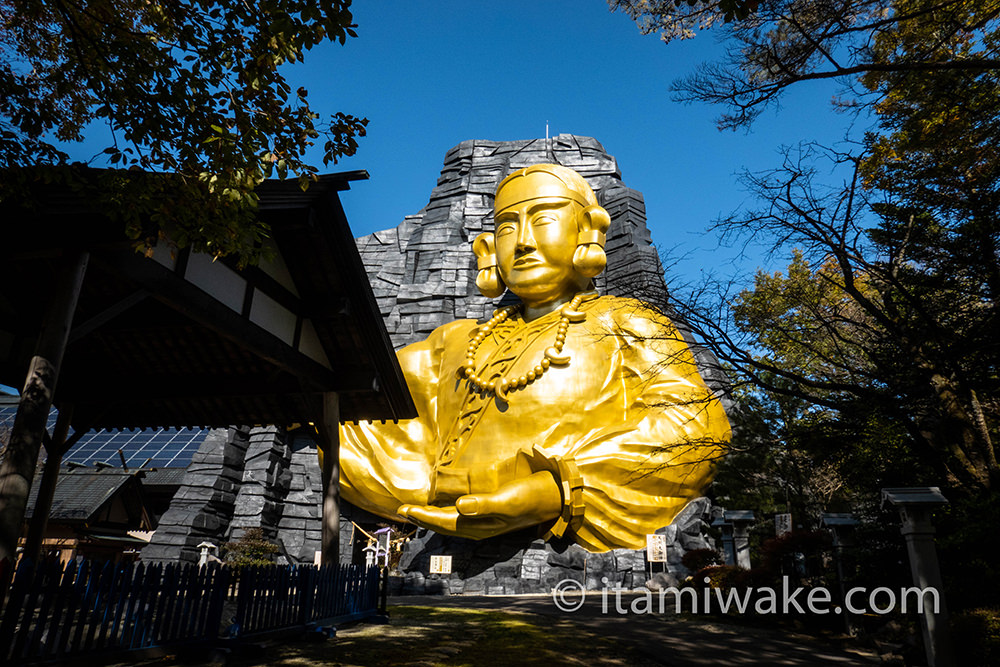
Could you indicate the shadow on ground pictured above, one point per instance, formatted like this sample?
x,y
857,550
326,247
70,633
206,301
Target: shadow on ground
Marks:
x,y
668,639
531,630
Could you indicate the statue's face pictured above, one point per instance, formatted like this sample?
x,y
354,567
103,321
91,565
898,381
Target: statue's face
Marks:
x,y
536,232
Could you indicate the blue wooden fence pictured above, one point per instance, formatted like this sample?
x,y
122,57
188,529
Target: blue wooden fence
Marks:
x,y
52,612
274,597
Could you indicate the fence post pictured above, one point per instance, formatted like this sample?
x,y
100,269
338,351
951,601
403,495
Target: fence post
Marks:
x,y
220,589
6,577
21,605
307,588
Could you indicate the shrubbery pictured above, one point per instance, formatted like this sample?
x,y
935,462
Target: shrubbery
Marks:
x,y
252,548
698,559
976,636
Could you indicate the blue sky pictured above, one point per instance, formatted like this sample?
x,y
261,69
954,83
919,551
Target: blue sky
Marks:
x,y
429,75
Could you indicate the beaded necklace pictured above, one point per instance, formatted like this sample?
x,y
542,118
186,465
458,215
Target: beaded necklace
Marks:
x,y
501,387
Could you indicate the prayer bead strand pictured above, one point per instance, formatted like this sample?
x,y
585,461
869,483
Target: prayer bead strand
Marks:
x,y
553,354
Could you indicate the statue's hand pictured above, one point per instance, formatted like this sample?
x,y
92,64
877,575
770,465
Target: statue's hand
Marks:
x,y
524,502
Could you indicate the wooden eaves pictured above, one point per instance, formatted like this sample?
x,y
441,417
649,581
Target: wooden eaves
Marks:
x,y
152,345
119,340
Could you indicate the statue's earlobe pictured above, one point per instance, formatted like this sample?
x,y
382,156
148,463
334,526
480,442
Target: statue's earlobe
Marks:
x,y
488,279
589,258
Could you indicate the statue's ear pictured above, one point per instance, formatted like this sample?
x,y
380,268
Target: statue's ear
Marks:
x,y
488,279
589,258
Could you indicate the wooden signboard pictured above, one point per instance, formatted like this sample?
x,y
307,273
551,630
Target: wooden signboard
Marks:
x,y
656,548
440,564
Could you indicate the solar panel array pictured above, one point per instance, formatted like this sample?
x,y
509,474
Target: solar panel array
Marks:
x,y
8,408
157,448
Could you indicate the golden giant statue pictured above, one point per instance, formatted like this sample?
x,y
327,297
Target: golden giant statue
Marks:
x,y
581,414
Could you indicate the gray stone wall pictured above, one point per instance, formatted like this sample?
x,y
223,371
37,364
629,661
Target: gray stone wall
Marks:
x,y
281,493
300,527
239,479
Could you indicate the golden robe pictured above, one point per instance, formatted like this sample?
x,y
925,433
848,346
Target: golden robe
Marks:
x,y
629,419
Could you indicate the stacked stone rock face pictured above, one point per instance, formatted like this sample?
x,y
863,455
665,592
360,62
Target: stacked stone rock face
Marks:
x,y
423,271
203,507
423,274
282,493
239,479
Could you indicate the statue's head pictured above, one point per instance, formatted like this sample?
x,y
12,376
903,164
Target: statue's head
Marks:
x,y
549,238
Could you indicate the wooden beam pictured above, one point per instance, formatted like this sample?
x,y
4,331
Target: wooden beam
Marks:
x,y
329,442
143,387
259,280
54,449
21,453
107,315
194,303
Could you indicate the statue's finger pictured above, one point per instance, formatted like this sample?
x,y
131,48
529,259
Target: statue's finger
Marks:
x,y
484,506
468,505
435,518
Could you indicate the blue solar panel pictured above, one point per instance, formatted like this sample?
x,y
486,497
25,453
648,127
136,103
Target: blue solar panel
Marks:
x,y
170,447
160,447
8,408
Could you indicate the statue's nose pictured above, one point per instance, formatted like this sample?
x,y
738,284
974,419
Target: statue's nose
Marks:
x,y
525,239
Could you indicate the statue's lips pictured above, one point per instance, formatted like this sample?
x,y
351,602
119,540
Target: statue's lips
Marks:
x,y
527,262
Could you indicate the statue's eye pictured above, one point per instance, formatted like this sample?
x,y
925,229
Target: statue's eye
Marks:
x,y
543,219
505,228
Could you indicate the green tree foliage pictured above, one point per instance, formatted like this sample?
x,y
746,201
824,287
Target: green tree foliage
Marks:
x,y
192,88
253,548
783,458
885,349
884,323
874,353
778,43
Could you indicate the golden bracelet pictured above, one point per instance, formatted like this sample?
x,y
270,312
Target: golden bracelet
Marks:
x,y
570,483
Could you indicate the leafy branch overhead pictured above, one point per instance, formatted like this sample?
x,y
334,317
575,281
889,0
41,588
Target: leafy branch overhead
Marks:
x,y
884,321
774,44
193,88
880,335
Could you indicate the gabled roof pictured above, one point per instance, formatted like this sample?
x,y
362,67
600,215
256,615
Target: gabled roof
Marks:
x,y
164,477
180,340
80,494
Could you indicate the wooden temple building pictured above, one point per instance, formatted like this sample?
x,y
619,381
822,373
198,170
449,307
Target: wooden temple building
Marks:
x,y
177,339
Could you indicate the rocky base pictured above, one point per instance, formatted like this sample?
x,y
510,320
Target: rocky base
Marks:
x,y
505,566
203,507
